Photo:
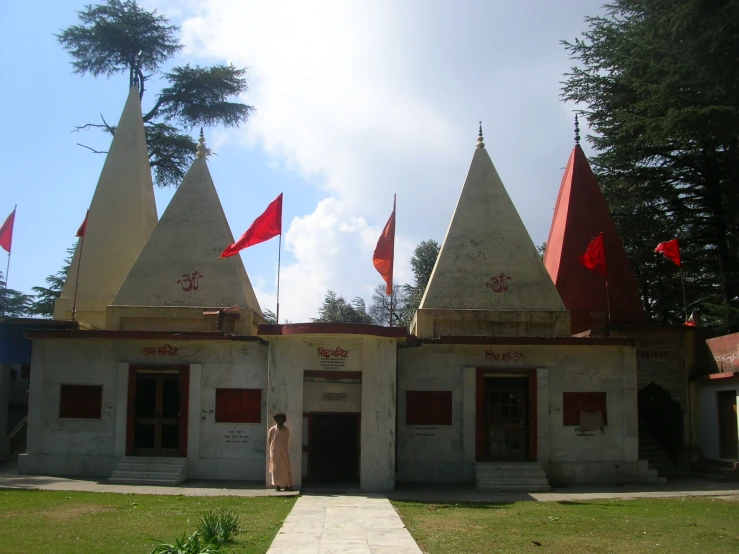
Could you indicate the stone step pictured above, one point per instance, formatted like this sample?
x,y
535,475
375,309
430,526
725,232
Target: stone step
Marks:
x,y
149,470
159,482
493,482
515,488
531,473
147,475
121,466
157,460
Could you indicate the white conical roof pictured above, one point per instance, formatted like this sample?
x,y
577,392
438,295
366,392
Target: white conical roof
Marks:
x,y
121,218
487,260
179,265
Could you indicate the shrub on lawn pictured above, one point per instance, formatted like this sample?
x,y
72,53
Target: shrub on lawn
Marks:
x,y
216,528
219,527
187,544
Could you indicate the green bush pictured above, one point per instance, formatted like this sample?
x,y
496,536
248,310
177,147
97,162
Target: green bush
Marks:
x,y
187,544
219,527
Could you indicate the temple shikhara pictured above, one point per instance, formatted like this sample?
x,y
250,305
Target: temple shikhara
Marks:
x,y
517,373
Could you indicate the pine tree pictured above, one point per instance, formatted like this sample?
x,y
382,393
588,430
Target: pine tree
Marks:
x,y
658,81
121,37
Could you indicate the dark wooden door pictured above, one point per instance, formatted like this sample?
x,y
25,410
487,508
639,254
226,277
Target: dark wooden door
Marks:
x,y
506,426
334,447
727,424
157,413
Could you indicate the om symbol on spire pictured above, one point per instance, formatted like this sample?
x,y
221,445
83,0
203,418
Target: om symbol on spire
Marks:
x,y
498,283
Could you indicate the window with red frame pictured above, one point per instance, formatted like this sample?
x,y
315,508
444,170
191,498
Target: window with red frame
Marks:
x,y
81,401
239,405
575,402
428,407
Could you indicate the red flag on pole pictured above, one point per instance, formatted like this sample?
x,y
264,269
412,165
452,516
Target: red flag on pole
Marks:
x,y
6,232
266,226
670,250
83,228
384,255
594,257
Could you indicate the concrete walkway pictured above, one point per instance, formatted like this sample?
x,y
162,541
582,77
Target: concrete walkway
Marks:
x,y
358,524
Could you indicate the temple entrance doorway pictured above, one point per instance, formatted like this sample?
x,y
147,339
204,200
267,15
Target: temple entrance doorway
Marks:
x,y
727,424
157,411
506,406
334,448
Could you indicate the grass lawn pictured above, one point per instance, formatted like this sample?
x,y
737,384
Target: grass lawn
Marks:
x,y
644,525
71,522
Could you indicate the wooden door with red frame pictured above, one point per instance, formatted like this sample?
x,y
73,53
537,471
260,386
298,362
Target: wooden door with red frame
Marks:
x,y
506,419
157,411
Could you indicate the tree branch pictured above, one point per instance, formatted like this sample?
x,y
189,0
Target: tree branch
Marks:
x,y
92,149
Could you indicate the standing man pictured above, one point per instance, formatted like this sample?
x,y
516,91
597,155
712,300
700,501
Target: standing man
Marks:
x,y
279,457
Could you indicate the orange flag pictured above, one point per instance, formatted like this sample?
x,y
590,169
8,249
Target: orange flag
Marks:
x,y
82,231
6,232
384,255
594,257
265,227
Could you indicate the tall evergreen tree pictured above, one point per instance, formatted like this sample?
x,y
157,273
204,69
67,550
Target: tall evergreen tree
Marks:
x,y
337,310
13,303
379,309
45,297
658,81
422,265
121,37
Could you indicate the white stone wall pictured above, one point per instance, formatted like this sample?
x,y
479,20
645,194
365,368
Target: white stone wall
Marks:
x,y
447,453
708,424
92,447
290,356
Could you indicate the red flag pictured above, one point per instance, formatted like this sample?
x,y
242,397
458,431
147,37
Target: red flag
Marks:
x,y
6,232
594,257
266,226
384,255
83,228
670,250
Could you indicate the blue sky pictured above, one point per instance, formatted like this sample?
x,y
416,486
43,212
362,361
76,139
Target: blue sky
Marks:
x,y
355,101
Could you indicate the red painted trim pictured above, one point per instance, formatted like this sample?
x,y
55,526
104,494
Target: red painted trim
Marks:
x,y
131,411
156,335
184,408
332,329
534,341
717,376
533,419
320,374
479,415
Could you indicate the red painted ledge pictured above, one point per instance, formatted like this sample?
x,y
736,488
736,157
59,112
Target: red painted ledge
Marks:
x,y
132,335
544,341
332,329
717,376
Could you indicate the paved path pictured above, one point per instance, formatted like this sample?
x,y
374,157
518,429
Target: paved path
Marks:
x,y
360,524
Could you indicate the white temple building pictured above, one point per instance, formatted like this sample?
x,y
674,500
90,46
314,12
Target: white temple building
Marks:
x,y
173,374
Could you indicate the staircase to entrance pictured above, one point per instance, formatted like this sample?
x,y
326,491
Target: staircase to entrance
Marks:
x,y
139,470
511,477
651,450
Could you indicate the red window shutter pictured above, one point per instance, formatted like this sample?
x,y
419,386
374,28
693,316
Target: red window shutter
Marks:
x,y
575,402
239,405
81,401
423,407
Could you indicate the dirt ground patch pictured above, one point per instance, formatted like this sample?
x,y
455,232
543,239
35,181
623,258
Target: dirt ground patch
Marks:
x,y
66,513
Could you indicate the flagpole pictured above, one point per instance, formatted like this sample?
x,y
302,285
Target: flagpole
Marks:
x,y
685,302
392,287
7,269
392,292
77,279
279,260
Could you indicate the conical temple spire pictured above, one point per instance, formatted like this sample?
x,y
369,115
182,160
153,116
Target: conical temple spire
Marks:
x,y
122,215
580,214
488,278
179,266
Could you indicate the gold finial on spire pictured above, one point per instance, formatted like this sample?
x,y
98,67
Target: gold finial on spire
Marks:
x,y
577,130
201,147
480,143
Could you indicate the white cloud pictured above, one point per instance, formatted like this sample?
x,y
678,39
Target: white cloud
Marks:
x,y
365,99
